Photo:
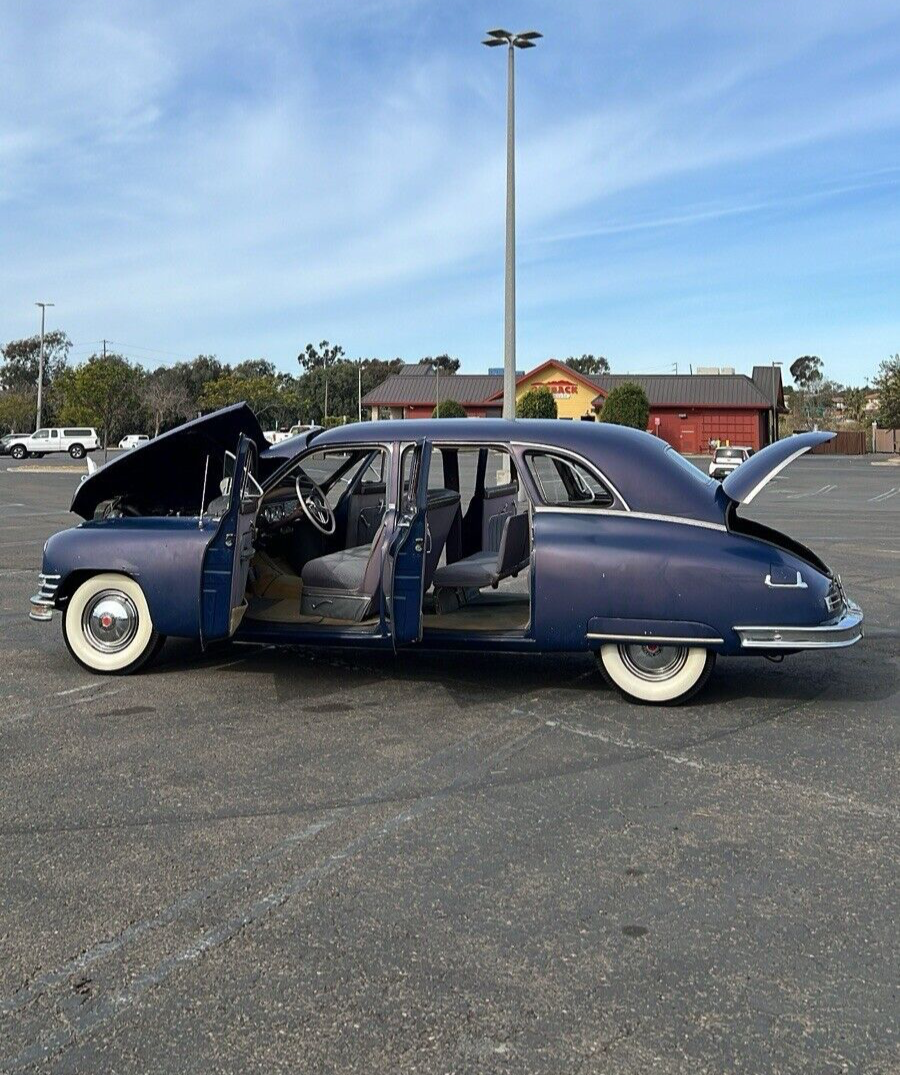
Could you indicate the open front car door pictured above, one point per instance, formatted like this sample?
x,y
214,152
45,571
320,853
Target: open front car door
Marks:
x,y
404,569
226,565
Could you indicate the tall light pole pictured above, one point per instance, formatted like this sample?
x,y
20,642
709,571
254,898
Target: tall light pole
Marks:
x,y
40,384
775,401
526,40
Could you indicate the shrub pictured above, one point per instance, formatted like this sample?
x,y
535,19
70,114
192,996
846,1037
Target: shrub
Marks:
x,y
449,408
536,403
627,405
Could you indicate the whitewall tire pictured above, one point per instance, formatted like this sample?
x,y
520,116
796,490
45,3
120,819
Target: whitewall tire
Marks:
x,y
656,674
107,625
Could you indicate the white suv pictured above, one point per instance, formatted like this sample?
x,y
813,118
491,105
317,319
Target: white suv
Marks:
x,y
76,441
726,460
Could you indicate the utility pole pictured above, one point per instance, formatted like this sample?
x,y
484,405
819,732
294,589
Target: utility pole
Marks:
x,y
512,41
359,390
40,384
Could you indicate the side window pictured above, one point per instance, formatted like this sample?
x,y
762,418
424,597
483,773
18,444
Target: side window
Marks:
x,y
42,434
562,482
436,476
500,472
54,434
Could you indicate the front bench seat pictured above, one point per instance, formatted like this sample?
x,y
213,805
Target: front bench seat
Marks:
x,y
343,584
489,568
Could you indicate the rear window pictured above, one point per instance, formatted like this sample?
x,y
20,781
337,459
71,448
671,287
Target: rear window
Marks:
x,y
729,453
563,482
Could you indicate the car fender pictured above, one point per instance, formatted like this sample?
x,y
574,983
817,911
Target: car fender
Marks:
x,y
618,572
163,555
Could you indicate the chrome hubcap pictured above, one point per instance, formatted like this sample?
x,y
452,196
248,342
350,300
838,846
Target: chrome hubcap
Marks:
x,y
653,662
109,621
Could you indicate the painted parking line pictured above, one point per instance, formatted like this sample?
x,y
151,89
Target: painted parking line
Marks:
x,y
883,496
816,492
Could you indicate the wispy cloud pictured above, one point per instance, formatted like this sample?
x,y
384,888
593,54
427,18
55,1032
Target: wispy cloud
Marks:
x,y
229,177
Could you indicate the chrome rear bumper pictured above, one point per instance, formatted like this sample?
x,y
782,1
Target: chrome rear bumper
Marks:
x,y
844,631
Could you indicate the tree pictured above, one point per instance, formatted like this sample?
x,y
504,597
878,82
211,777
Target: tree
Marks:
x,y
627,405
16,412
104,392
536,403
21,358
806,371
449,408
444,363
589,365
312,357
855,404
887,384
165,396
263,394
255,367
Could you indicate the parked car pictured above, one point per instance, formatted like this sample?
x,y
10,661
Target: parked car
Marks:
x,y
76,441
133,440
7,440
275,436
725,460
357,536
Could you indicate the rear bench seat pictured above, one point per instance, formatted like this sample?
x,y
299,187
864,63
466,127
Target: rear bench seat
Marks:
x,y
488,568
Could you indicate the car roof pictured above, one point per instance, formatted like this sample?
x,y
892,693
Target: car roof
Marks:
x,y
649,475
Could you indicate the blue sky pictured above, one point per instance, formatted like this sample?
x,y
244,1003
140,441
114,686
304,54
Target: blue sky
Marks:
x,y
700,183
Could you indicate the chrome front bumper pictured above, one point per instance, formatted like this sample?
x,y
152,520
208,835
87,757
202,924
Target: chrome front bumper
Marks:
x,y
844,631
44,601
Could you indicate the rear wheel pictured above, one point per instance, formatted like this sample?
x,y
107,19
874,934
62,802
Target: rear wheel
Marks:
x,y
77,451
656,674
107,626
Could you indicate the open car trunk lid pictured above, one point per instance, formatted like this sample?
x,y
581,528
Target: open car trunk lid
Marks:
x,y
749,479
168,471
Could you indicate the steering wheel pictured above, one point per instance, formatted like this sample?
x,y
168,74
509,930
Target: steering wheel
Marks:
x,y
316,507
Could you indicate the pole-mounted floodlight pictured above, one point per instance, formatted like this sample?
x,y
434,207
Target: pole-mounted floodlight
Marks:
x,y
512,41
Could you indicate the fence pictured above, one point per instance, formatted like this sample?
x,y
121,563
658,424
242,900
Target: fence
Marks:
x,y
887,440
846,442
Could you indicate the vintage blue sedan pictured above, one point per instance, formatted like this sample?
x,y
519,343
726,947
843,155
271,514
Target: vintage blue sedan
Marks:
x,y
453,533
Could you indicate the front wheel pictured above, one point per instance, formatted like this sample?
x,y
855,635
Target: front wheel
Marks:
x,y
107,626
655,674
18,451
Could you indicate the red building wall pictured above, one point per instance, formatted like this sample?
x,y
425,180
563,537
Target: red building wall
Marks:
x,y
690,430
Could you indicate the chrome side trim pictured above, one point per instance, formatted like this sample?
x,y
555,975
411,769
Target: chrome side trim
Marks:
x,y
636,515
658,638
798,585
771,474
844,632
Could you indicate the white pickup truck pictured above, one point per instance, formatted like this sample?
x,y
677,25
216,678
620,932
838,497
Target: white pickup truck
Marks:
x,y
77,441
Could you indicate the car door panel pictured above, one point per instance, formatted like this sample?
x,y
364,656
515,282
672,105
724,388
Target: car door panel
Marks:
x,y
227,562
404,569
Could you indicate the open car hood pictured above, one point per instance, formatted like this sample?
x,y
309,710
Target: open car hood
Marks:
x,y
755,473
168,470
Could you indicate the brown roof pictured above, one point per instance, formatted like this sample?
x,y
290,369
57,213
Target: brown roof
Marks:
x,y
686,390
401,389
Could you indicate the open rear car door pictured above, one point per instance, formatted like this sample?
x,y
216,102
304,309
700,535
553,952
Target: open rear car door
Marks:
x,y
226,565
404,567
745,482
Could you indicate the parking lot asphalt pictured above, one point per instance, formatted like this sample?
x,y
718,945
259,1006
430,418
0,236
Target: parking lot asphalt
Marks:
x,y
289,861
